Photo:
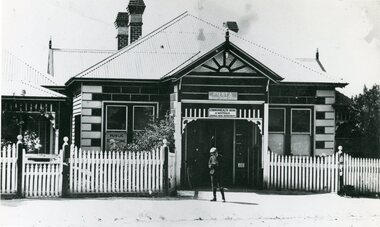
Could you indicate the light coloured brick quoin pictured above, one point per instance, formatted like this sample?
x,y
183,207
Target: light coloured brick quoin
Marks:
x,y
330,100
325,123
86,142
87,96
86,127
329,129
92,89
322,152
329,144
330,115
92,119
324,108
91,135
86,112
91,104
324,137
89,148
325,93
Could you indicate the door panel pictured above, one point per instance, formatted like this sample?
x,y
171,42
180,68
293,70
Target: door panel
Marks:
x,y
242,148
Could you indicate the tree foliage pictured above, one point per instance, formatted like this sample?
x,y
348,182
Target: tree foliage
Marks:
x,y
152,136
366,130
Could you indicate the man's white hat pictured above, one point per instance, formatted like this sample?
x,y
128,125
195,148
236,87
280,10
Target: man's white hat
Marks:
x,y
212,150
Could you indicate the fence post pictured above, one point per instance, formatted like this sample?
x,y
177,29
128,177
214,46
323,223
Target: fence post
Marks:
x,y
19,148
340,166
65,173
165,148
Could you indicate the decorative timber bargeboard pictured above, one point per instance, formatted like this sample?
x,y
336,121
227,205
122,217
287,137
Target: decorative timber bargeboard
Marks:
x,y
212,112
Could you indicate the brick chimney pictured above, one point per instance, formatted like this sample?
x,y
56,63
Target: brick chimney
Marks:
x,y
121,23
135,10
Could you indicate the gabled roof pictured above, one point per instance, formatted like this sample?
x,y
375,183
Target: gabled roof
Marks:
x,y
19,79
66,63
15,69
182,41
24,89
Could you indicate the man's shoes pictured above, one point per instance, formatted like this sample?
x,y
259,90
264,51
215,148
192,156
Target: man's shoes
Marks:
x,y
224,200
213,200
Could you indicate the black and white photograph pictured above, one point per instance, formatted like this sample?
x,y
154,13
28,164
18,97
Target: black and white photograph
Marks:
x,y
190,113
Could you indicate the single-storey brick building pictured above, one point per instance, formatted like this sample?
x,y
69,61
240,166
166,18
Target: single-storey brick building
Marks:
x,y
222,89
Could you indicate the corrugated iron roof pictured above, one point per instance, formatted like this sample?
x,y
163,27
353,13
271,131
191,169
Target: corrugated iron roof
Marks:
x,y
15,69
178,43
66,63
19,79
27,90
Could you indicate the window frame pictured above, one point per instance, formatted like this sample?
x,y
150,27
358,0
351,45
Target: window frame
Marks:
x,y
133,119
284,111
291,122
126,119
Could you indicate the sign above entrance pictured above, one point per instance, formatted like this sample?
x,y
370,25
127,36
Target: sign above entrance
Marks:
x,y
221,95
222,112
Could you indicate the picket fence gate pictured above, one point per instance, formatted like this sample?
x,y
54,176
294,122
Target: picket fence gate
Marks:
x,y
42,175
116,171
362,173
8,169
305,173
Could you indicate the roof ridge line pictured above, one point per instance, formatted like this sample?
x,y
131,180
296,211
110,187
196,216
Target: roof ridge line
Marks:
x,y
207,22
294,61
131,46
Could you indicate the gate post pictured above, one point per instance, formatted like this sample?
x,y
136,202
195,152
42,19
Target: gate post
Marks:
x,y
19,148
166,166
65,173
340,166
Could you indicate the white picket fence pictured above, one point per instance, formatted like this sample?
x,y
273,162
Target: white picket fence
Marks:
x,y
42,175
8,169
362,173
306,173
115,171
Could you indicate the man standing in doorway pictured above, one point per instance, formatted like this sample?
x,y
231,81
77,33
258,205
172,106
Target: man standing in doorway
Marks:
x,y
214,164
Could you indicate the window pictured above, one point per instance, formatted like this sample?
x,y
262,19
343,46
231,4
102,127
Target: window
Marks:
x,y
300,141
276,120
142,116
276,140
301,120
117,118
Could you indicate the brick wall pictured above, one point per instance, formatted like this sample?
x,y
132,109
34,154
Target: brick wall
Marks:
x,y
90,103
324,122
135,32
122,41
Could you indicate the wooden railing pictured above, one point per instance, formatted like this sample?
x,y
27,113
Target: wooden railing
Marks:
x,y
42,175
362,173
306,173
116,171
8,169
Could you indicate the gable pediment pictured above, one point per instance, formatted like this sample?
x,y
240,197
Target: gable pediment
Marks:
x,y
224,62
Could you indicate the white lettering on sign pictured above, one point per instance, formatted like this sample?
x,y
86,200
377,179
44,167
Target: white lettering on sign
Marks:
x,y
222,112
221,95
241,165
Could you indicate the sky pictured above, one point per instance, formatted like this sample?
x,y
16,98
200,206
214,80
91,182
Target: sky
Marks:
x,y
346,32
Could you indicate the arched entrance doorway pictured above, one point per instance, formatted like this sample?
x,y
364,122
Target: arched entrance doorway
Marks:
x,y
237,140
